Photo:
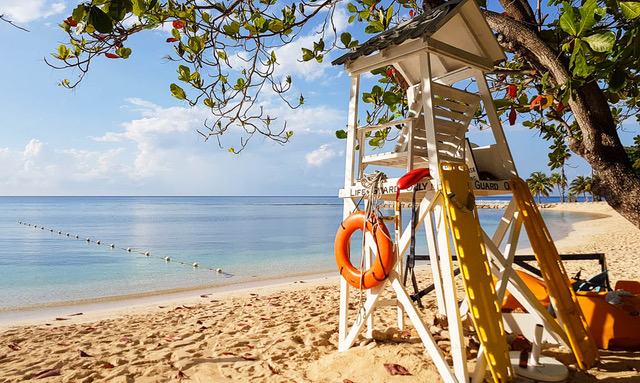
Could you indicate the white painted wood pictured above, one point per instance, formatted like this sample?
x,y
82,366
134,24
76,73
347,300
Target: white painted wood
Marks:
x,y
351,131
429,123
505,157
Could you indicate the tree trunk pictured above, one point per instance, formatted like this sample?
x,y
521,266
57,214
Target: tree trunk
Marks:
x,y
600,145
562,178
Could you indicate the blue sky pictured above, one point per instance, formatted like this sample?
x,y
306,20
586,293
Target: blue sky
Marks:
x,y
122,133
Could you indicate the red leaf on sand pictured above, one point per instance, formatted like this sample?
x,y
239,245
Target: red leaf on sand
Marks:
x,y
83,354
512,116
273,370
73,315
125,340
15,347
47,373
347,381
63,344
177,24
182,375
248,356
173,40
90,329
112,55
228,353
249,346
62,318
107,365
173,338
396,369
253,294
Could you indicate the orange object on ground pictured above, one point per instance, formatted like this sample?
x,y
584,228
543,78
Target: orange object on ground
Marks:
x,y
611,326
382,264
534,284
630,286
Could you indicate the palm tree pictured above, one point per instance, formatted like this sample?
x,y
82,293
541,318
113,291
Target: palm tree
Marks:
x,y
581,184
560,181
539,184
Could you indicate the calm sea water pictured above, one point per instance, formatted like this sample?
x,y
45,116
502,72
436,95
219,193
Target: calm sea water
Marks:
x,y
247,237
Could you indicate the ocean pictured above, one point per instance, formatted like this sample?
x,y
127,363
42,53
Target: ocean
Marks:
x,y
247,238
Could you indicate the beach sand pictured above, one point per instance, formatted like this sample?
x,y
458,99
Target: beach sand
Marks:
x,y
278,333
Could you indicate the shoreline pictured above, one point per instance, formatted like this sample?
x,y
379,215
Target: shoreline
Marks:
x,y
40,312
282,332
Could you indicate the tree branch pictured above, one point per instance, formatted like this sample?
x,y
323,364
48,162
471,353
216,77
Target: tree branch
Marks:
x,y
12,23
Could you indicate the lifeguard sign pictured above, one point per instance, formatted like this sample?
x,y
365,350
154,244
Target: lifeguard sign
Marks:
x,y
443,56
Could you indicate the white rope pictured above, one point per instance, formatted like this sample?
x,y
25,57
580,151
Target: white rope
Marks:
x,y
373,184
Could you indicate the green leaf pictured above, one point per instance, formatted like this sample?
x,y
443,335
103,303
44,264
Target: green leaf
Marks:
x,y
138,7
196,44
232,29
587,16
341,134
630,9
184,72
175,33
239,84
601,42
345,38
276,26
352,8
100,20
177,92
79,13
118,9
390,98
307,54
567,20
63,52
209,102
123,52
231,150
617,80
222,55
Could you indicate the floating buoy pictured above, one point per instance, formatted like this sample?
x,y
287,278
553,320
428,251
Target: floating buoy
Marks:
x,y
218,271
77,236
167,259
42,228
59,232
67,234
146,254
195,264
88,239
128,249
51,230
112,245
97,242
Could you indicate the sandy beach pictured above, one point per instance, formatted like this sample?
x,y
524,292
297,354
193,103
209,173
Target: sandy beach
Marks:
x,y
284,332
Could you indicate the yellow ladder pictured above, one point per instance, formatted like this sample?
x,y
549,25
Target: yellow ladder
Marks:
x,y
555,277
464,226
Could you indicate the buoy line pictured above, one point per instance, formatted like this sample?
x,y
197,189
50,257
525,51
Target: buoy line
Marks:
x,y
129,249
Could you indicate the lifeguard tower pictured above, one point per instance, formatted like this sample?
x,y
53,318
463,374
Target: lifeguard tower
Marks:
x,y
443,57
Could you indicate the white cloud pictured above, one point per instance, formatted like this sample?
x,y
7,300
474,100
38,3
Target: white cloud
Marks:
x,y
33,148
24,11
320,156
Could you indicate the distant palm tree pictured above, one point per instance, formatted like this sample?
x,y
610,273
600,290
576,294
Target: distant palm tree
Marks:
x,y
560,181
539,184
581,184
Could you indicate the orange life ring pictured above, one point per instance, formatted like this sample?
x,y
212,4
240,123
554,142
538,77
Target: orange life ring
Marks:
x,y
382,263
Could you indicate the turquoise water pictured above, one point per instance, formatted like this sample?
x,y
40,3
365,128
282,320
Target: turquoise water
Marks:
x,y
247,237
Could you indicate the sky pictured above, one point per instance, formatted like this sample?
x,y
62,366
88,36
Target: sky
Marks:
x,y
122,133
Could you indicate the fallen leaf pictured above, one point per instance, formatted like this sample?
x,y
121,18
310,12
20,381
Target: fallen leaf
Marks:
x,y
273,370
188,307
249,346
204,295
228,353
90,329
83,354
125,340
248,356
347,381
47,373
396,369
182,375
253,294
73,315
107,365
162,307
15,347
62,318
173,338
63,344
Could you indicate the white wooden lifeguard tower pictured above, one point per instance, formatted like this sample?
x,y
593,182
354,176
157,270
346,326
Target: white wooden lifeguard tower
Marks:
x,y
443,56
